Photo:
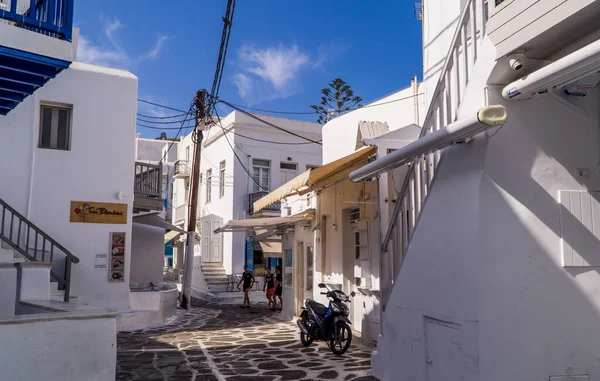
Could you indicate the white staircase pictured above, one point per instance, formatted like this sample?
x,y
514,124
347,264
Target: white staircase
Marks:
x,y
215,276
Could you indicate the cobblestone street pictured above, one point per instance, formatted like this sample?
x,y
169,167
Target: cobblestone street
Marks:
x,y
214,342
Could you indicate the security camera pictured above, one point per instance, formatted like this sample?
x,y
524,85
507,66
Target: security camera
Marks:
x,y
516,61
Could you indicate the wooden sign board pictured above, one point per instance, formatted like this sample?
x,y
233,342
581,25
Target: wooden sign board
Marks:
x,y
98,212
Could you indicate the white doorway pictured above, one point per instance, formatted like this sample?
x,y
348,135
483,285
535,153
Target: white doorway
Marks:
x,y
309,272
212,243
299,274
288,171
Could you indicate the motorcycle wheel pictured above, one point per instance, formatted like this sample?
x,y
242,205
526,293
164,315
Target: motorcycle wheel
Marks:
x,y
304,339
341,339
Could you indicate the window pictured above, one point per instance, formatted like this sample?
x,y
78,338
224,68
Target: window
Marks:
x,y
290,166
357,245
260,173
310,166
187,154
222,179
354,215
55,127
310,264
208,185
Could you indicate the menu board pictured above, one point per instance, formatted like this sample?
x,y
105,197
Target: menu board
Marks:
x,y
117,258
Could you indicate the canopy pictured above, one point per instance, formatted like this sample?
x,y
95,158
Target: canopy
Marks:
x,y
153,219
315,177
171,235
263,223
271,249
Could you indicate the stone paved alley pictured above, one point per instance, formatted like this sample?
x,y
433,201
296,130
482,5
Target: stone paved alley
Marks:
x,y
224,342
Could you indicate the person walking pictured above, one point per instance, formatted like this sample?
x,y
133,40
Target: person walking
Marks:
x,y
270,288
248,280
278,289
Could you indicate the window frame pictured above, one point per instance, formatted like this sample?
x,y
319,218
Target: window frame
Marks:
x,y
208,186
55,109
261,170
222,166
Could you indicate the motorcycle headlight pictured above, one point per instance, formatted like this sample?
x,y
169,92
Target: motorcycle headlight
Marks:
x,y
345,309
336,308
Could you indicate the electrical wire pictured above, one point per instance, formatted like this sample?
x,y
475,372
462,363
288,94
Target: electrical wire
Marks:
x,y
266,141
270,124
163,106
162,128
227,23
160,122
236,155
178,132
162,117
313,112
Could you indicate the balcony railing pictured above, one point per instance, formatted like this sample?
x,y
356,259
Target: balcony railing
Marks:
x,y
53,18
253,197
148,180
182,169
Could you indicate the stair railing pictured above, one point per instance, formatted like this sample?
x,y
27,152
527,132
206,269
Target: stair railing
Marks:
x,y
442,111
36,246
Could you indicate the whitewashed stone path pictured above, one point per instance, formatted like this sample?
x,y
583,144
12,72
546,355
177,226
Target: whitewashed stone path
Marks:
x,y
227,343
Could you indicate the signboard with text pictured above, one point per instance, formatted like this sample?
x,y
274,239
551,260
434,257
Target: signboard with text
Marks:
x,y
117,257
98,212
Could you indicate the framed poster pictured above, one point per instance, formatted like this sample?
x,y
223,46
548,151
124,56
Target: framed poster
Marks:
x,y
98,212
117,258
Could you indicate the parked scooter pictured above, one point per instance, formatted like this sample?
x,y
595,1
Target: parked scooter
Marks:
x,y
329,324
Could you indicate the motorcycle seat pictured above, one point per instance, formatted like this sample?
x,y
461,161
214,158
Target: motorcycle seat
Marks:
x,y
319,308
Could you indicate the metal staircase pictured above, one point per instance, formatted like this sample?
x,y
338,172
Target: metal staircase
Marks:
x,y
34,245
442,111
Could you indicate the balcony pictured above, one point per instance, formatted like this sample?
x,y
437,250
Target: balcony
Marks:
x,y
35,45
180,213
539,27
147,189
273,209
182,169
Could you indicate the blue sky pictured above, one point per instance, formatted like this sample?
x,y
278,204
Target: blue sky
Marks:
x,y
281,53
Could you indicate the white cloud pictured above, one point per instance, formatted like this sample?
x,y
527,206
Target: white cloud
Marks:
x,y
273,72
112,52
268,73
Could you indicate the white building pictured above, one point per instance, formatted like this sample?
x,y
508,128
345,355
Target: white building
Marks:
x,y
330,225
67,133
270,156
496,239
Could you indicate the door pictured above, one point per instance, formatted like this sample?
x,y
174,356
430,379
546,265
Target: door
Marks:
x,y
443,355
299,274
212,246
309,272
360,253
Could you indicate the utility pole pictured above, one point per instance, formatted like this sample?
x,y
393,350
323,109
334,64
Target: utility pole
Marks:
x,y
188,266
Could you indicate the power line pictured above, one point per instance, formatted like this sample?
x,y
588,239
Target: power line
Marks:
x,y
313,112
161,122
236,155
227,23
178,132
269,123
162,117
162,128
163,106
267,141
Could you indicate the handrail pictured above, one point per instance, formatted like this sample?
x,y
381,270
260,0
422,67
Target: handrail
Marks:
x,y
21,243
443,109
50,17
148,180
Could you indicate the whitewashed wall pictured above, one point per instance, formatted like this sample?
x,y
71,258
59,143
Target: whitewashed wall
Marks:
x,y
486,253
43,182
404,107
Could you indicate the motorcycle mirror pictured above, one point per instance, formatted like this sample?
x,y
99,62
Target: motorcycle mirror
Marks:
x,y
322,285
352,293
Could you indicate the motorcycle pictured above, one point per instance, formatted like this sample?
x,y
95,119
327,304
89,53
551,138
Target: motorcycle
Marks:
x,y
329,324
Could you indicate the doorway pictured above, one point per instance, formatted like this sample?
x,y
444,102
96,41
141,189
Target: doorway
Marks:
x,y
299,275
443,354
212,245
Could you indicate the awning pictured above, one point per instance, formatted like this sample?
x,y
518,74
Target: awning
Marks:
x,y
263,223
314,178
153,219
171,235
271,249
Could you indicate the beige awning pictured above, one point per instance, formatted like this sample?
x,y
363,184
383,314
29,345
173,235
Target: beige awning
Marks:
x,y
171,235
271,249
264,223
153,219
316,177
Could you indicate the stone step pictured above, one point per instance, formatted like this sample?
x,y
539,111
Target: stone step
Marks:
x,y
214,271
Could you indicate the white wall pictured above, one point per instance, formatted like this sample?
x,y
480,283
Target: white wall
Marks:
x,y
486,253
43,182
407,106
61,349
238,185
147,255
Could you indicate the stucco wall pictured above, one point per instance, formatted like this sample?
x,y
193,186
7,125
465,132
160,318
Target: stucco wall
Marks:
x,y
486,252
398,110
147,255
43,182
39,349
